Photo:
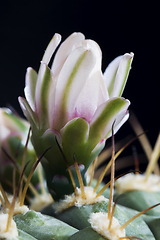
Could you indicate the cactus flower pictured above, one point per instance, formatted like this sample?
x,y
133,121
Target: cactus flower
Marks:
x,y
74,103
13,136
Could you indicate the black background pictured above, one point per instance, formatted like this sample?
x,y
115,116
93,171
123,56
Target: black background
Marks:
x,y
26,27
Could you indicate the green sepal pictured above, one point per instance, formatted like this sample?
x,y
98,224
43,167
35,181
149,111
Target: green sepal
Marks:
x,y
53,155
101,124
53,162
43,227
140,200
75,134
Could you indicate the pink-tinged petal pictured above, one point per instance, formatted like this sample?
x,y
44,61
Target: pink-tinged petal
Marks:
x,y
65,49
116,74
71,81
113,110
30,86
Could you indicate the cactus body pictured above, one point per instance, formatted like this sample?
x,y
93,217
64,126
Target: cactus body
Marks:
x,y
78,218
140,200
43,227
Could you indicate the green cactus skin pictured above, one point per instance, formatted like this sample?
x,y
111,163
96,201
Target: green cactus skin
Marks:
x,y
87,233
24,236
140,200
78,218
43,227
153,223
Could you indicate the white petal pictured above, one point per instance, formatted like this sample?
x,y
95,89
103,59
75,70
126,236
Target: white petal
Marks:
x,y
65,49
71,81
110,72
88,99
122,74
47,56
51,48
104,95
96,71
119,125
116,74
93,46
30,85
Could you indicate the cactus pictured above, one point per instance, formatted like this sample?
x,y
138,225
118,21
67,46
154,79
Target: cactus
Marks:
x,y
15,144
144,186
69,127
32,225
